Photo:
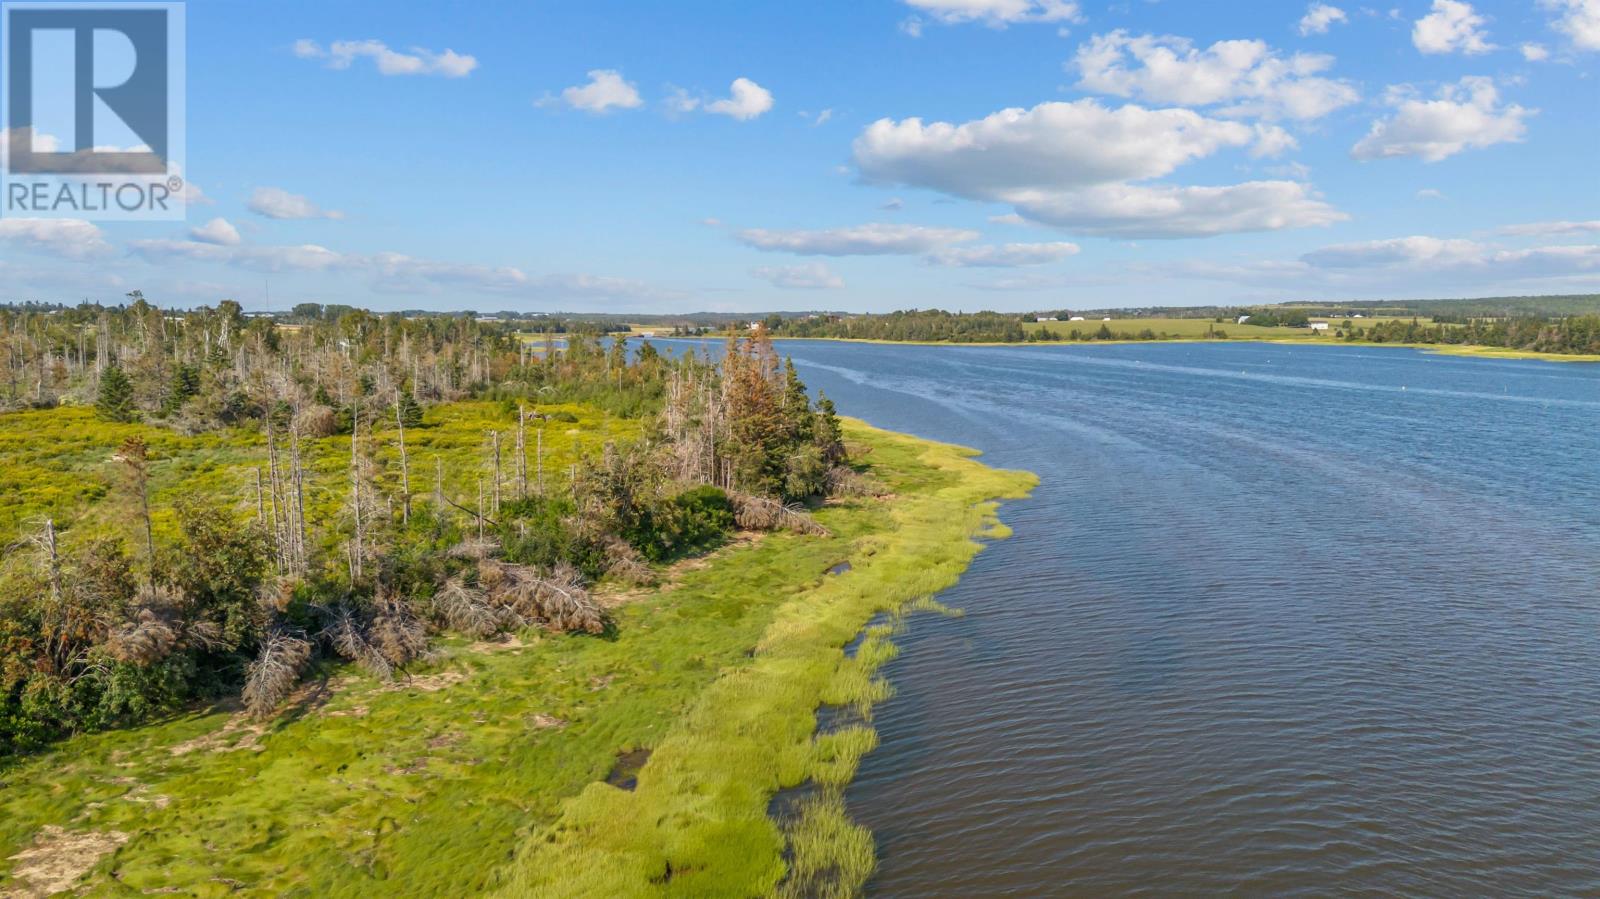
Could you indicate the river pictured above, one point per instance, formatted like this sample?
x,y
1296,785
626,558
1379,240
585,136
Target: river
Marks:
x,y
1277,620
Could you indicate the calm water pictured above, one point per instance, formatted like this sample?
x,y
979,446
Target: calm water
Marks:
x,y
1277,620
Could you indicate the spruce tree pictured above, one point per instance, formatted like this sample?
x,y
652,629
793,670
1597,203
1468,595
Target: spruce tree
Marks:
x,y
410,410
115,401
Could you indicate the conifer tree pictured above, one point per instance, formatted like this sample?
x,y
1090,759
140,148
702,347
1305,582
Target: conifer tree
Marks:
x,y
115,400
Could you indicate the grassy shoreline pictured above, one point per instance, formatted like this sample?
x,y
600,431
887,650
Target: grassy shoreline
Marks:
x,y
1430,348
485,769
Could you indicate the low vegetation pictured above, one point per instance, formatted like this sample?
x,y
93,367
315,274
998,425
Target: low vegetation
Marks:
x,y
483,766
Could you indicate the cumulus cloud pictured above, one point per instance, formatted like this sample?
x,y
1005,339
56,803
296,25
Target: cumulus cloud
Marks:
x,y
1435,254
1069,164
1463,116
1244,77
1550,228
807,276
277,203
995,13
342,54
217,231
860,240
1579,20
1011,255
1452,26
746,100
1318,18
66,238
1162,211
605,90
1054,145
1534,52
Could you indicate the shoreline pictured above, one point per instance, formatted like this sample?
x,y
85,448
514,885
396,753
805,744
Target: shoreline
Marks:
x,y
1436,349
487,769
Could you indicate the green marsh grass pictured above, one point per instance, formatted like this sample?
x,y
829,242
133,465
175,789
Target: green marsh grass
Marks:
x,y
483,772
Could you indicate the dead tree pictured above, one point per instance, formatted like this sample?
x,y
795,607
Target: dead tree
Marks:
x,y
405,470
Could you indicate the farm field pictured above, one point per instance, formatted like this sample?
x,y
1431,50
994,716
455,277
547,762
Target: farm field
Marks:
x,y
1201,328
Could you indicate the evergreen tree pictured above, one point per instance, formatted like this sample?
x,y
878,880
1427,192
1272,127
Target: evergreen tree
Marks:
x,y
829,436
115,401
410,410
185,386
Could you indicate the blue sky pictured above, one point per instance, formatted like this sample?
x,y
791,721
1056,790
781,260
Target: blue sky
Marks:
x,y
865,155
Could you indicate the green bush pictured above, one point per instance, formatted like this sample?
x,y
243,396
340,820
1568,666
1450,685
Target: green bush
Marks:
x,y
690,522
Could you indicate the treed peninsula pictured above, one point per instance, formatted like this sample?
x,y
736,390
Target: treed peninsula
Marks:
x,y
345,604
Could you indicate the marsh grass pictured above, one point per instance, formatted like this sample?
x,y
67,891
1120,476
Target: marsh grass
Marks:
x,y
484,769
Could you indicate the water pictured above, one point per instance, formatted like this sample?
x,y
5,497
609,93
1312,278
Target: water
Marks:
x,y
1277,620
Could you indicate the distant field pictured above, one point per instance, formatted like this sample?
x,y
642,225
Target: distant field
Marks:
x,y
1199,328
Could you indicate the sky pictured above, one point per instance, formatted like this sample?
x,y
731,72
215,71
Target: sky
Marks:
x,y
861,155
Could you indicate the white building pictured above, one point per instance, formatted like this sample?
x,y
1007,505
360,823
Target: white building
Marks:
x,y
1319,326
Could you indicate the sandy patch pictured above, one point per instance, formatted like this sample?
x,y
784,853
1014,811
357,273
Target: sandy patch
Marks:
x,y
240,731
58,858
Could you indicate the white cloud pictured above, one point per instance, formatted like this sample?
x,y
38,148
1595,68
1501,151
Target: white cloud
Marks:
x,y
398,273
40,142
1010,218
994,13
277,203
1247,75
1011,255
67,238
1452,26
217,231
1428,251
1465,115
858,240
1271,142
1054,145
1429,193
807,276
1548,228
341,54
1160,211
1068,164
746,101
1534,52
606,90
823,117
1318,17
1579,21
1433,254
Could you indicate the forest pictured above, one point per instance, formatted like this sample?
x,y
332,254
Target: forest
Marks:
x,y
392,479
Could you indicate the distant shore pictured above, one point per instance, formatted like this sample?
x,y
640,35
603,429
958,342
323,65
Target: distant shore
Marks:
x,y
1440,349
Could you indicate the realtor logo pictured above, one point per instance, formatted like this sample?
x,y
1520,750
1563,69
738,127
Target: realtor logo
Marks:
x,y
94,110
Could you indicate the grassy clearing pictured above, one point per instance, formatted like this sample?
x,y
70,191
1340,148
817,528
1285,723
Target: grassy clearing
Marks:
x,y
58,462
485,769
